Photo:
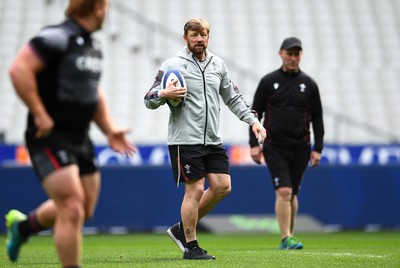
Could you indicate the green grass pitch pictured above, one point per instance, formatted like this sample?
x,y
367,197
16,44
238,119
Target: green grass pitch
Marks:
x,y
342,249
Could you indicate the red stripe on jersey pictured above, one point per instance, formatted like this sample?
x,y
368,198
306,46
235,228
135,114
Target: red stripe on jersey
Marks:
x,y
52,158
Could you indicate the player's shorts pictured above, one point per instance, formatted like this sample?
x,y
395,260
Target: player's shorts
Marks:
x,y
195,161
56,151
286,166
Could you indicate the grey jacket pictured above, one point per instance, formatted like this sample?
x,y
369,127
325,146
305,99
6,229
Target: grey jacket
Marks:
x,y
197,120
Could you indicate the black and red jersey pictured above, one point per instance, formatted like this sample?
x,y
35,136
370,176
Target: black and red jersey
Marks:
x,y
68,85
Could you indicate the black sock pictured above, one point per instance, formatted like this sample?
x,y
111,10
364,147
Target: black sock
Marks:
x,y
30,226
192,244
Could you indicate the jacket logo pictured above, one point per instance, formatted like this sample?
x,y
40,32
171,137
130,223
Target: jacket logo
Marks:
x,y
185,66
302,88
276,85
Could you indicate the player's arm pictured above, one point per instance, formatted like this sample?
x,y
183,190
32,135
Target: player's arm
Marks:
x,y
153,98
318,128
259,101
115,135
23,72
317,121
258,106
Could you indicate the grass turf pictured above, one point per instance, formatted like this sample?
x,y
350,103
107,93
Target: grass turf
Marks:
x,y
344,249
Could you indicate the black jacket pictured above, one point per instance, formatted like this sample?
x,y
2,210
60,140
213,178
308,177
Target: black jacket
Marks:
x,y
288,103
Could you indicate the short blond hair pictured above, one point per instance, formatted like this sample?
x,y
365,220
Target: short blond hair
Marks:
x,y
196,25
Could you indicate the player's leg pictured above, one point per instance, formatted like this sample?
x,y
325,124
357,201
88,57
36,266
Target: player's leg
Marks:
x,y
90,178
46,214
298,167
278,161
180,156
190,206
283,210
188,167
294,210
194,190
21,226
298,164
286,210
14,239
216,164
215,161
65,188
220,187
46,160
91,187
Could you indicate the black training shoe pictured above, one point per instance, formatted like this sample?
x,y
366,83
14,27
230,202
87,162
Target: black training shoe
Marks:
x,y
178,236
197,253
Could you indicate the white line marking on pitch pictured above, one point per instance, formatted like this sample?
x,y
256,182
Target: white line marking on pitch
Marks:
x,y
347,255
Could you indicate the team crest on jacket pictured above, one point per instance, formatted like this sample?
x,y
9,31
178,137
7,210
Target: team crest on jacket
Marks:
x,y
302,87
276,85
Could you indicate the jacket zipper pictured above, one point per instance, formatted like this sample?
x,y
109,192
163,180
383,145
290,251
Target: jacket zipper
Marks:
x,y
205,95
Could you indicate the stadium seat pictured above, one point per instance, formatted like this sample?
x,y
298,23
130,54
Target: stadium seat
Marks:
x,y
350,48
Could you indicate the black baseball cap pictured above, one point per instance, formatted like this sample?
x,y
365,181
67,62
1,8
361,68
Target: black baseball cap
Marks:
x,y
291,42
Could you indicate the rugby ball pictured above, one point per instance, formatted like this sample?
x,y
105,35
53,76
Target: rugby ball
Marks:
x,y
172,75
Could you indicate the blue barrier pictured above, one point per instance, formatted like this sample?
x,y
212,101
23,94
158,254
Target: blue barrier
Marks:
x,y
157,155
143,198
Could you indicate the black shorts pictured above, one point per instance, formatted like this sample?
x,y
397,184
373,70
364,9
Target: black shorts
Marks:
x,y
195,161
286,166
57,151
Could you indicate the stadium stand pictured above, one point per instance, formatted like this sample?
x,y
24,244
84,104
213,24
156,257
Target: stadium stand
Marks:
x,y
351,48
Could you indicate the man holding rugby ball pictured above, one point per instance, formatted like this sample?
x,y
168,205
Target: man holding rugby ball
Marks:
x,y
196,150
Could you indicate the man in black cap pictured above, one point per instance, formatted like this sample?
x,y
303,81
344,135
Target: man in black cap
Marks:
x,y
291,42
289,101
